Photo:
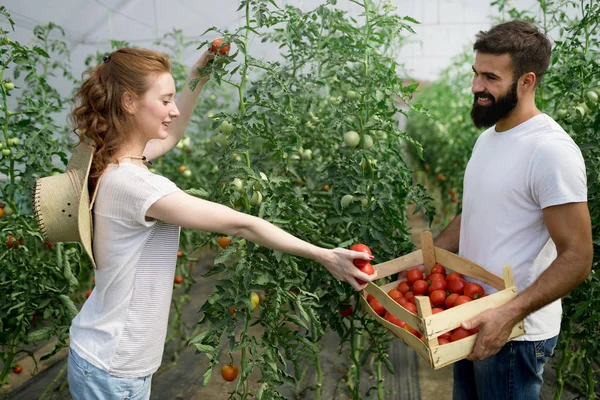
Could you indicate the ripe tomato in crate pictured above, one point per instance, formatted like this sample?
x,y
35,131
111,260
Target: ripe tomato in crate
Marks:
x,y
443,342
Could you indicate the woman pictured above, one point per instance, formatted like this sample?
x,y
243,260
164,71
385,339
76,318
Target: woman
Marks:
x,y
126,109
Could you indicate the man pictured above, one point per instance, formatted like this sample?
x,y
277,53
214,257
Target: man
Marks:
x,y
524,204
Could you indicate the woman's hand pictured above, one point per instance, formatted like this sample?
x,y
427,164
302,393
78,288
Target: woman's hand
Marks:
x,y
201,64
339,263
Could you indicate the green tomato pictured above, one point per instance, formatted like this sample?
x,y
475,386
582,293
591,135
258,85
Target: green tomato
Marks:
x,y
381,135
6,152
13,142
364,202
179,145
346,200
352,95
221,139
238,185
187,173
336,100
9,85
312,117
592,96
367,142
186,141
226,128
579,109
8,211
561,113
213,97
256,199
351,139
307,154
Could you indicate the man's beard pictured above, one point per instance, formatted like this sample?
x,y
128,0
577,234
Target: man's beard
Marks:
x,y
486,116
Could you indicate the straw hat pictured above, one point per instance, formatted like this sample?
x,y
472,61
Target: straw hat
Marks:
x,y
61,202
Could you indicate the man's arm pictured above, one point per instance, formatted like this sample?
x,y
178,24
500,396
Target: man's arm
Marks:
x,y
569,226
450,237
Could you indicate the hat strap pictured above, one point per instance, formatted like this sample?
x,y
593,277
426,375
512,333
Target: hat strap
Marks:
x,y
95,192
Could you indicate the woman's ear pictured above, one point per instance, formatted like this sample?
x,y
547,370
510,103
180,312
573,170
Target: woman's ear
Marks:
x,y
128,103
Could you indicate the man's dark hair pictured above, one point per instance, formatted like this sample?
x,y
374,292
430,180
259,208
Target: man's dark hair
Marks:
x,y
528,47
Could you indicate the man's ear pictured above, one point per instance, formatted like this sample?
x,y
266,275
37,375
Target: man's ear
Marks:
x,y
128,103
528,81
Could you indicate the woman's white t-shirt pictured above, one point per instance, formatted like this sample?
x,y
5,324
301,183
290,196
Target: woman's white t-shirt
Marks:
x,y
122,326
511,177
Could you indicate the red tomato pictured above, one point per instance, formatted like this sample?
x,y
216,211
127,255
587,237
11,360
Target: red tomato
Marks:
x,y
456,286
394,294
402,300
223,241
438,285
433,277
438,269
404,287
420,287
17,369
413,275
437,310
179,254
367,269
462,300
473,290
377,307
370,297
410,296
361,248
438,298
178,280
412,330
215,47
453,275
442,341
346,311
459,333
451,299
13,242
229,372
88,293
410,307
445,336
392,319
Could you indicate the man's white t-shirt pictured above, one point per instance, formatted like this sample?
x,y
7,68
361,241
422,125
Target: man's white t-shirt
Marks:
x,y
511,177
122,326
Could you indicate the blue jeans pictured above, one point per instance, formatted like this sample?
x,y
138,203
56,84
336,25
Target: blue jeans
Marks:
x,y
514,373
86,382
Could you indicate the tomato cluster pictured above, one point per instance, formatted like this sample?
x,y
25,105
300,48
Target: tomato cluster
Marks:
x,y
444,290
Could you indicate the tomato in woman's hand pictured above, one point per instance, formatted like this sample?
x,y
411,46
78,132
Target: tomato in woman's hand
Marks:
x,y
438,269
420,287
361,248
413,275
215,47
473,290
367,269
229,372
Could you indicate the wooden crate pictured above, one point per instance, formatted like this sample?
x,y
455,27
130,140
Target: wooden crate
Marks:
x,y
429,325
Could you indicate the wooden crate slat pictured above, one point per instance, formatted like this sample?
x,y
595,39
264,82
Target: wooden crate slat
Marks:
x,y
428,251
399,264
449,353
424,310
443,322
469,268
390,305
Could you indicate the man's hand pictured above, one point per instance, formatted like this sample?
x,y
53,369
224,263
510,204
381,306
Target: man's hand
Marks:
x,y
495,326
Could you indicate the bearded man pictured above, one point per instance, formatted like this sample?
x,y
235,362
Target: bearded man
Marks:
x,y
524,204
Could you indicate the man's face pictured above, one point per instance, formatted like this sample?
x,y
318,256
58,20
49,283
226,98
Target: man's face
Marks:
x,y
494,89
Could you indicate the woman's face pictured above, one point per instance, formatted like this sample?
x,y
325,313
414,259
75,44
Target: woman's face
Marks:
x,y
157,109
